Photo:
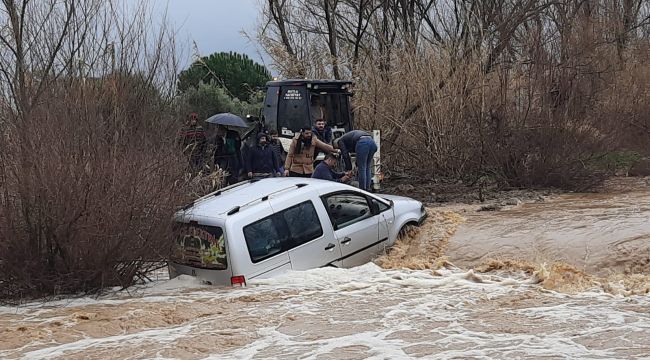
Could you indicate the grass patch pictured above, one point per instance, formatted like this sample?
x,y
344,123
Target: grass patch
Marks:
x,y
614,161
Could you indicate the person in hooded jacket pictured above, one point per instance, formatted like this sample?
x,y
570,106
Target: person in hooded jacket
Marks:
x,y
261,161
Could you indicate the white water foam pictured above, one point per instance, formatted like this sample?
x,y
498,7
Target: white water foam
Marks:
x,y
367,312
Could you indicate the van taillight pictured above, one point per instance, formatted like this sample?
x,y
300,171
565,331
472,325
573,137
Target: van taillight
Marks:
x,y
238,280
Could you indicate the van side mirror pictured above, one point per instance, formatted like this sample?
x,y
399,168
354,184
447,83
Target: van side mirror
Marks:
x,y
391,203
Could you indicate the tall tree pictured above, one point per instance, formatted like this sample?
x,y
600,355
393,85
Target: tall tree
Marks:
x,y
236,73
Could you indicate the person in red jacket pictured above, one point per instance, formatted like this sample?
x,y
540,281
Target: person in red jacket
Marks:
x,y
192,139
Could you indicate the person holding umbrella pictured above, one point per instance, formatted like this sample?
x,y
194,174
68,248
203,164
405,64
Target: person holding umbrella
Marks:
x,y
227,153
227,149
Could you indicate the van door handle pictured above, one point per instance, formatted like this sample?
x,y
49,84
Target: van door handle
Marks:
x,y
346,241
329,247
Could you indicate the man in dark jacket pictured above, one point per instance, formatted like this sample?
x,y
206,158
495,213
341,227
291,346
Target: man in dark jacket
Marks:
x,y
227,152
278,149
322,131
261,161
325,170
365,148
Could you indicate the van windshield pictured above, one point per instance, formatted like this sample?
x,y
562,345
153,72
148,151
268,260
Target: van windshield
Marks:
x,y
200,246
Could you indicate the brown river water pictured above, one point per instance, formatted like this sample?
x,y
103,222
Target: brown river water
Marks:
x,y
563,278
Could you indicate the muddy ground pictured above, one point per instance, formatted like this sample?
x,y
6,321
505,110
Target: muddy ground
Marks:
x,y
443,193
456,194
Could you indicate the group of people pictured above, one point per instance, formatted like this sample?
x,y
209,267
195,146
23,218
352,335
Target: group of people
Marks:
x,y
267,157
225,148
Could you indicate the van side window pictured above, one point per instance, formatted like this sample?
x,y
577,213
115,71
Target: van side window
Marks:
x,y
303,223
265,238
282,231
346,209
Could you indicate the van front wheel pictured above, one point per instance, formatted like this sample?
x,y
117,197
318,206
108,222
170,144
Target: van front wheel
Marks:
x,y
406,230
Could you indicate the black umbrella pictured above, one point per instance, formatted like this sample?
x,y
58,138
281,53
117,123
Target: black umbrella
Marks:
x,y
227,119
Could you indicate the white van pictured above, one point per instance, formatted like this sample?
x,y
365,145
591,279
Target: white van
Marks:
x,y
266,227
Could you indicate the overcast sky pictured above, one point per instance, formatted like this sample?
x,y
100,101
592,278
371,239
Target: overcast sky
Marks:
x,y
215,25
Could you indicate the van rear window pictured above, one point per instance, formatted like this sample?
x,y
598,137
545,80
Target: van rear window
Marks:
x,y
200,246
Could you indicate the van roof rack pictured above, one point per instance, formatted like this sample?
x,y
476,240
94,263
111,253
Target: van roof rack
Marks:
x,y
187,206
263,198
230,187
217,193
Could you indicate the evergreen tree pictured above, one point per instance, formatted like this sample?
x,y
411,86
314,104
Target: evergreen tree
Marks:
x,y
235,72
209,99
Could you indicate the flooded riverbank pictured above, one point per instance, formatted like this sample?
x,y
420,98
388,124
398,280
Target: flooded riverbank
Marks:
x,y
563,278
599,233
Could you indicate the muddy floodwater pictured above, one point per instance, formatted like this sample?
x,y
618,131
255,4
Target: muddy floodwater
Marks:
x,y
563,278
598,233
